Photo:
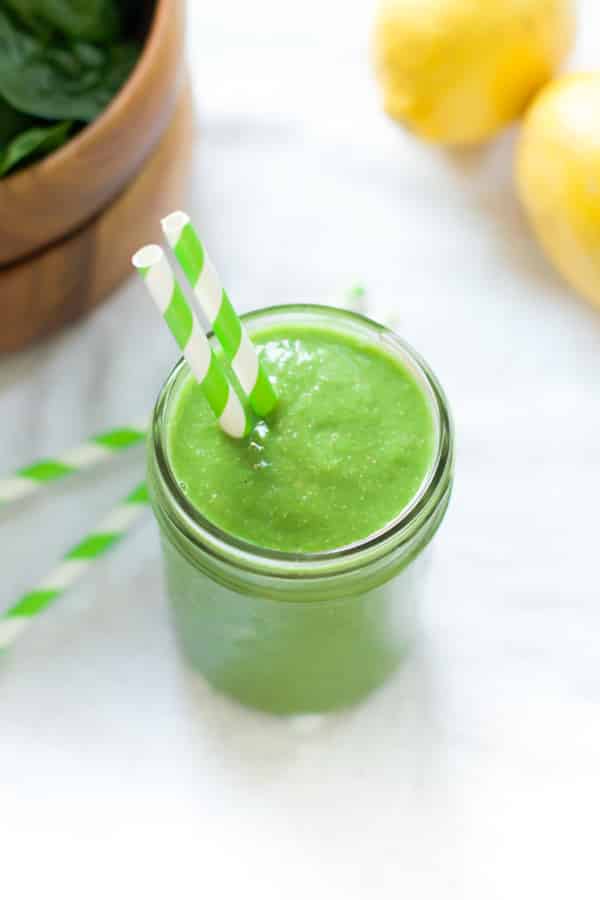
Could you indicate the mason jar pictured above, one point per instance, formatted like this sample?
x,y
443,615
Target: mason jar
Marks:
x,y
294,633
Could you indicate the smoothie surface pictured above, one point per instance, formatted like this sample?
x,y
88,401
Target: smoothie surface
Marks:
x,y
347,449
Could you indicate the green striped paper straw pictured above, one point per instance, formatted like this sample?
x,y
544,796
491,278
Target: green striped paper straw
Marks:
x,y
230,332
95,450
162,285
73,566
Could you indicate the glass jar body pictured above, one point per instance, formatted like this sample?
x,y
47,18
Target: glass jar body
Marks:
x,y
297,633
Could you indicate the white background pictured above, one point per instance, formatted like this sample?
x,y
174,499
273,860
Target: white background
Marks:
x,y
476,772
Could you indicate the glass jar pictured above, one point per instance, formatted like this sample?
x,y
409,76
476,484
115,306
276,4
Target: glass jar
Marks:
x,y
292,632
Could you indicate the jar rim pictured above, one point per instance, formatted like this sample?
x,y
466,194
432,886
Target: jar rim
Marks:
x,y
211,539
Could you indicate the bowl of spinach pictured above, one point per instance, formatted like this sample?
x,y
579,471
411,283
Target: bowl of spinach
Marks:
x,y
87,87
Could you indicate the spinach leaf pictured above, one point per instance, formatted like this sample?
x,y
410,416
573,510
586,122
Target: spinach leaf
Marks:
x,y
12,122
33,143
82,20
59,59
60,80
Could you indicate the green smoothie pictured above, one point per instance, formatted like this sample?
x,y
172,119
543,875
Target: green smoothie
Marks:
x,y
294,558
347,450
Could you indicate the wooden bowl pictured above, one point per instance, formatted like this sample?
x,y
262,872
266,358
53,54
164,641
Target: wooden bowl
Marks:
x,y
42,293
48,200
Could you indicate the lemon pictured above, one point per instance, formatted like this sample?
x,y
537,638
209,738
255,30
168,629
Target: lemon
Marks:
x,y
457,71
558,177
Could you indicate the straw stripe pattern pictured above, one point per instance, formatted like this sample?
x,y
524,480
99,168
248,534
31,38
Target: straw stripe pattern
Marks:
x,y
73,566
97,450
192,341
233,337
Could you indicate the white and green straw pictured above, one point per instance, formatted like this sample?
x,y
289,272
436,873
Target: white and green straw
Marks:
x,y
74,565
226,324
96,450
183,324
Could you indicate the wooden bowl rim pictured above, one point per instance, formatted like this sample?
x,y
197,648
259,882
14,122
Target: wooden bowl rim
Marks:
x,y
125,98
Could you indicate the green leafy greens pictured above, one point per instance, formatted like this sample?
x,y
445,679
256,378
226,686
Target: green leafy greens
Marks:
x,y
33,143
61,63
97,21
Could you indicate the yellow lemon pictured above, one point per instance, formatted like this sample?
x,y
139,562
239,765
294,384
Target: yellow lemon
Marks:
x,y
558,177
457,71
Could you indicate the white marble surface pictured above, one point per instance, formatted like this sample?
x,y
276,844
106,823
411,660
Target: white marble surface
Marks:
x,y
475,773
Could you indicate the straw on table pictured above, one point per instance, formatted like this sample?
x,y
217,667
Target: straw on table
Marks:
x,y
75,564
215,303
183,324
95,450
